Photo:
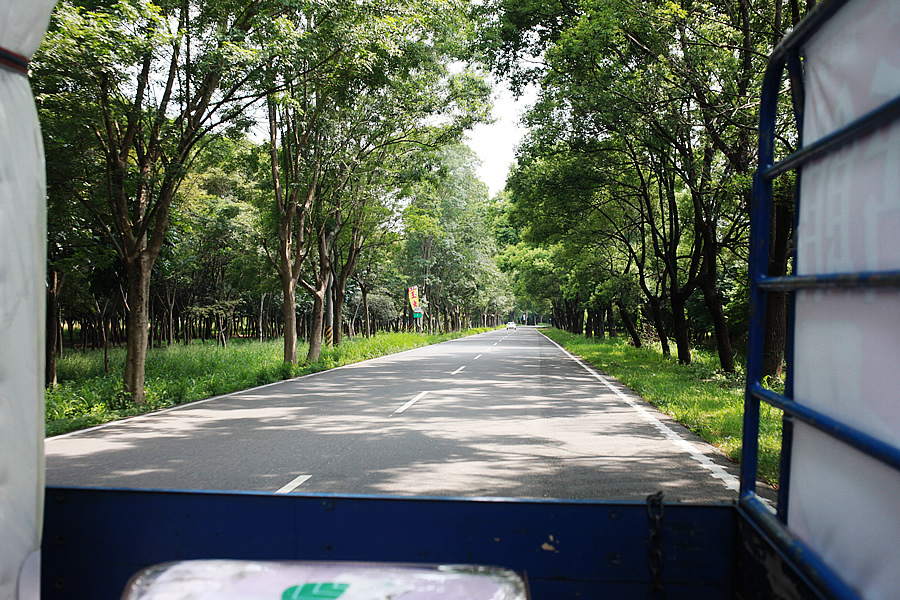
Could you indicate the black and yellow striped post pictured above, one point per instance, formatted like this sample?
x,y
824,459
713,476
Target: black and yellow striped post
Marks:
x,y
329,313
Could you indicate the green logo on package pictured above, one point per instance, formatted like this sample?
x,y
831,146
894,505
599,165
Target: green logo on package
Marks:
x,y
314,590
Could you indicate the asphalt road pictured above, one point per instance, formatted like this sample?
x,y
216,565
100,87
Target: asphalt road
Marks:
x,y
501,414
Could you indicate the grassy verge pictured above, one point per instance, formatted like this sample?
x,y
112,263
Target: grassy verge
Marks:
x,y
88,396
699,395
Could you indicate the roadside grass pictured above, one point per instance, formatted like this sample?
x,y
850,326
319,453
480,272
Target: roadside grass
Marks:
x,y
700,395
86,395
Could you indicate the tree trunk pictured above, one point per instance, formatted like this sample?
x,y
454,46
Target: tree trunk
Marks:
x,y
289,315
316,325
723,341
597,316
680,329
776,302
659,325
170,334
330,335
100,330
262,301
337,310
577,316
629,325
775,335
138,322
54,286
150,321
365,299
611,321
713,301
325,239
105,338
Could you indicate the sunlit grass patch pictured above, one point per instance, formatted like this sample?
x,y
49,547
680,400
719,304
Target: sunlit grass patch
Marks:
x,y
700,396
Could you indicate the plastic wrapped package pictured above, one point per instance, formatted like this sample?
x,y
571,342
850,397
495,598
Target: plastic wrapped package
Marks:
x,y
22,294
251,580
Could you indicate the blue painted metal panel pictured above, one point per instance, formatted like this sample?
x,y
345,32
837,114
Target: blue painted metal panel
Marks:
x,y
95,539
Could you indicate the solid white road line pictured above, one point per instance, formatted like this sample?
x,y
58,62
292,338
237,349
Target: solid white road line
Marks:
x,y
297,482
458,370
408,404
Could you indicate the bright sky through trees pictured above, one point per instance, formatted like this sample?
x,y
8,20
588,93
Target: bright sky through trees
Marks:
x,y
495,143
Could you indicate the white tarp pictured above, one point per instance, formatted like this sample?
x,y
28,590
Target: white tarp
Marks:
x,y
22,294
843,503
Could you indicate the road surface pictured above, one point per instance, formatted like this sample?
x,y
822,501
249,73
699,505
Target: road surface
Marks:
x,y
501,414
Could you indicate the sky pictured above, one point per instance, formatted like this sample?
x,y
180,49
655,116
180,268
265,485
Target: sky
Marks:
x,y
495,144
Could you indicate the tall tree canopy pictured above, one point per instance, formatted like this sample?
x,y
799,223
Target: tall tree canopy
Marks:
x,y
645,126
135,93
363,87
142,85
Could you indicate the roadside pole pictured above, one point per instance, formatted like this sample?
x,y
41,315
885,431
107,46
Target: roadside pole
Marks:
x,y
329,312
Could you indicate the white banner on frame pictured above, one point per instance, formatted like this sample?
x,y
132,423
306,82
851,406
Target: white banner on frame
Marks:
x,y
844,504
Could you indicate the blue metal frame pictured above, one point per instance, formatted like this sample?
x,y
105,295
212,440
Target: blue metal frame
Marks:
x,y
96,539
787,57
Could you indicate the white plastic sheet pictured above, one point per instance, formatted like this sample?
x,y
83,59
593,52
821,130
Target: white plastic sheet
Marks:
x,y
22,293
253,580
843,503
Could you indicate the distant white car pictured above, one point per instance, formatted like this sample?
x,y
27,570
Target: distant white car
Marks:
x,y
511,325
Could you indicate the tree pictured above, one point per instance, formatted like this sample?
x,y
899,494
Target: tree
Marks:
x,y
673,83
535,278
449,247
376,260
210,265
75,247
372,210
152,80
359,86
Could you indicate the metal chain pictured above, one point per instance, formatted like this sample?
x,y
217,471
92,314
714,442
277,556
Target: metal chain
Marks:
x,y
654,546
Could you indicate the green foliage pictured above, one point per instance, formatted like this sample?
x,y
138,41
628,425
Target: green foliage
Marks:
x,y
639,151
534,277
700,396
450,250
